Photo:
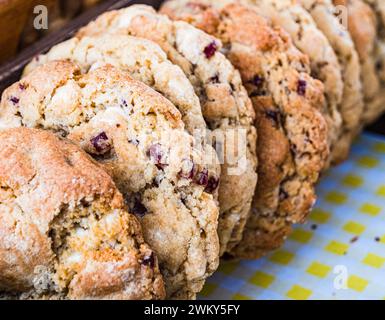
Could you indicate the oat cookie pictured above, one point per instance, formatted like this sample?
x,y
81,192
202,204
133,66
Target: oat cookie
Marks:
x,y
293,18
292,145
142,59
145,61
378,10
64,231
325,65
380,59
325,15
225,103
140,139
362,26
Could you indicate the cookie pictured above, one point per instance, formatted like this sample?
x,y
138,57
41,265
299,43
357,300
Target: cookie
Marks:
x,y
362,25
379,54
368,20
292,133
64,231
325,15
140,139
142,59
226,107
378,7
325,66
145,61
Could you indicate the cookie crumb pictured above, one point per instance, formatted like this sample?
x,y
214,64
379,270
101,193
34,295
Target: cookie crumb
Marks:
x,y
354,239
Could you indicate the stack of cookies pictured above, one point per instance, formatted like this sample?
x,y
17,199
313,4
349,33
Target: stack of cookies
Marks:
x,y
140,152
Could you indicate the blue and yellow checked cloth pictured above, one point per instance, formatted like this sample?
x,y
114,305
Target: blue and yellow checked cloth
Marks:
x,y
338,254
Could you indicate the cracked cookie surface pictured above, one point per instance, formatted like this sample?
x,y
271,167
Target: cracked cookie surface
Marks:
x,y
225,103
292,137
64,231
140,139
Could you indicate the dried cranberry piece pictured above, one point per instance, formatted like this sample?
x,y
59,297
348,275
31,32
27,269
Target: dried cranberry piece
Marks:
x,y
22,87
101,143
188,169
301,88
210,49
14,100
212,185
258,81
273,115
149,260
202,177
156,155
139,209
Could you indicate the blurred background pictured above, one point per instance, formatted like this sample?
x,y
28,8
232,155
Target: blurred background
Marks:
x,y
16,21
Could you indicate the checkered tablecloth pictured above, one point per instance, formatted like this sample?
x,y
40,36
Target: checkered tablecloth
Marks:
x,y
338,254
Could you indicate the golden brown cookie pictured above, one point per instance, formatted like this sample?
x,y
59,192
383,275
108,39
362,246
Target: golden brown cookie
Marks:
x,y
145,61
225,104
64,232
329,20
306,36
292,145
140,139
367,24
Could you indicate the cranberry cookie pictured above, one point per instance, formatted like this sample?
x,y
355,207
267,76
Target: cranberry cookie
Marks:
x,y
367,20
226,106
378,7
329,20
145,61
140,139
292,136
64,232
325,66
